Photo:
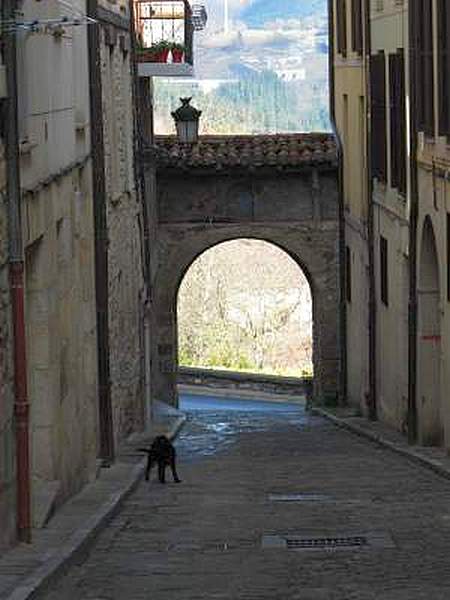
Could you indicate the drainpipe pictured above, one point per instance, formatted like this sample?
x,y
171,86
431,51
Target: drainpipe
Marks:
x,y
414,208
372,396
101,238
341,212
16,271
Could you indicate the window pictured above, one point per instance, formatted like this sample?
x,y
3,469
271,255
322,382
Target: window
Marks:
x,y
398,120
357,26
384,276
378,133
443,19
348,273
341,26
346,144
422,40
362,145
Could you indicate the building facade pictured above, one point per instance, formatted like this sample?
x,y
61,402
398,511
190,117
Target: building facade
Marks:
x,y
391,103
120,257
349,114
54,146
7,432
71,92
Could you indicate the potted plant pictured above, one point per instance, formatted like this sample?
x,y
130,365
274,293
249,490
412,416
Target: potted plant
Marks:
x,y
160,51
155,53
177,53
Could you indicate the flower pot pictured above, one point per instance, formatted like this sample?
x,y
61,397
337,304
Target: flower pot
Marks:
x,y
162,55
177,55
159,56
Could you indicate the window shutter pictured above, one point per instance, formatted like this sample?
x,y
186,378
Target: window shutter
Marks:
x,y
378,115
348,273
341,26
398,120
422,17
384,274
444,66
357,26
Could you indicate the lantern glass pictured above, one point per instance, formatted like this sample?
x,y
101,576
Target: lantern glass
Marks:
x,y
187,131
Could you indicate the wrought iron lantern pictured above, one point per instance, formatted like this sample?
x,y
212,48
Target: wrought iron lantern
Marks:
x,y
187,120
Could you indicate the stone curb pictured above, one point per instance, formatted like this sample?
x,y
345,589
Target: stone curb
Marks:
x,y
406,451
220,392
79,542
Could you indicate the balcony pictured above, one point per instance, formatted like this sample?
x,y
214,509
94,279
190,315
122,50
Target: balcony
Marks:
x,y
165,35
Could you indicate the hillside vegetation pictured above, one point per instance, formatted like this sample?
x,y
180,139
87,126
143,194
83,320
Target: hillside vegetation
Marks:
x,y
245,305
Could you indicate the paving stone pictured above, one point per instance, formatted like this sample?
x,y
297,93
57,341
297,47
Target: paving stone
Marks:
x,y
202,538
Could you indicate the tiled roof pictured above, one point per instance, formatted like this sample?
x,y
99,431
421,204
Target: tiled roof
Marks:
x,y
250,152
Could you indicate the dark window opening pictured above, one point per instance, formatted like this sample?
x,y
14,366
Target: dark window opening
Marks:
x,y
398,120
384,275
348,273
378,115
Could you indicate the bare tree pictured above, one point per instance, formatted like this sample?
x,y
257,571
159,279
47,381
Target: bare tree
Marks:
x,y
246,304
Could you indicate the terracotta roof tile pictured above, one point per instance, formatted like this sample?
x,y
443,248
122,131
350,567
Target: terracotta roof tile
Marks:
x,y
283,151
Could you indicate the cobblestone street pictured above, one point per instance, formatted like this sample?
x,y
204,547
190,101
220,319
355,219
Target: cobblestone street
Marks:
x,y
222,533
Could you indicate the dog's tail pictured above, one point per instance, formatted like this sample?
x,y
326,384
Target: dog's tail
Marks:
x,y
146,450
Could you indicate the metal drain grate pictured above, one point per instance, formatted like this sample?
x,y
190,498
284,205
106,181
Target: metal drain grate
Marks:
x,y
367,540
325,542
304,497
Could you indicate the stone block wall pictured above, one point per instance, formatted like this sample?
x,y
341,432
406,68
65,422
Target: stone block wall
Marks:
x,y
7,438
58,232
124,220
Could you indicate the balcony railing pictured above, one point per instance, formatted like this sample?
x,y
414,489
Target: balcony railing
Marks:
x,y
165,35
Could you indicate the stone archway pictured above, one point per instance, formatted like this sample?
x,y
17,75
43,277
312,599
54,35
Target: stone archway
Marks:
x,y
279,189
430,428
179,251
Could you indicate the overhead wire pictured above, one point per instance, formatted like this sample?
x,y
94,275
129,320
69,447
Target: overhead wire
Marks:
x,y
73,19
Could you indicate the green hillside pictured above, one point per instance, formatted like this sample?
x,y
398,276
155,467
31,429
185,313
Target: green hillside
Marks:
x,y
260,103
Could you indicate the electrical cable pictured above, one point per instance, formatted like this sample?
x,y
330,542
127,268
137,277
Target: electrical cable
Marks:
x,y
46,25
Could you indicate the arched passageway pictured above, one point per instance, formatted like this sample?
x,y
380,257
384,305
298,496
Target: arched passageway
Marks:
x,y
278,189
246,305
178,256
429,351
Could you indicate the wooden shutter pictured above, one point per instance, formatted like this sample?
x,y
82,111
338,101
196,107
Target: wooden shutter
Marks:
x,y
348,273
341,26
422,39
398,120
357,26
378,132
384,274
443,19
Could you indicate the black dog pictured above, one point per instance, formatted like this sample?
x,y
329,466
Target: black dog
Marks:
x,y
163,453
